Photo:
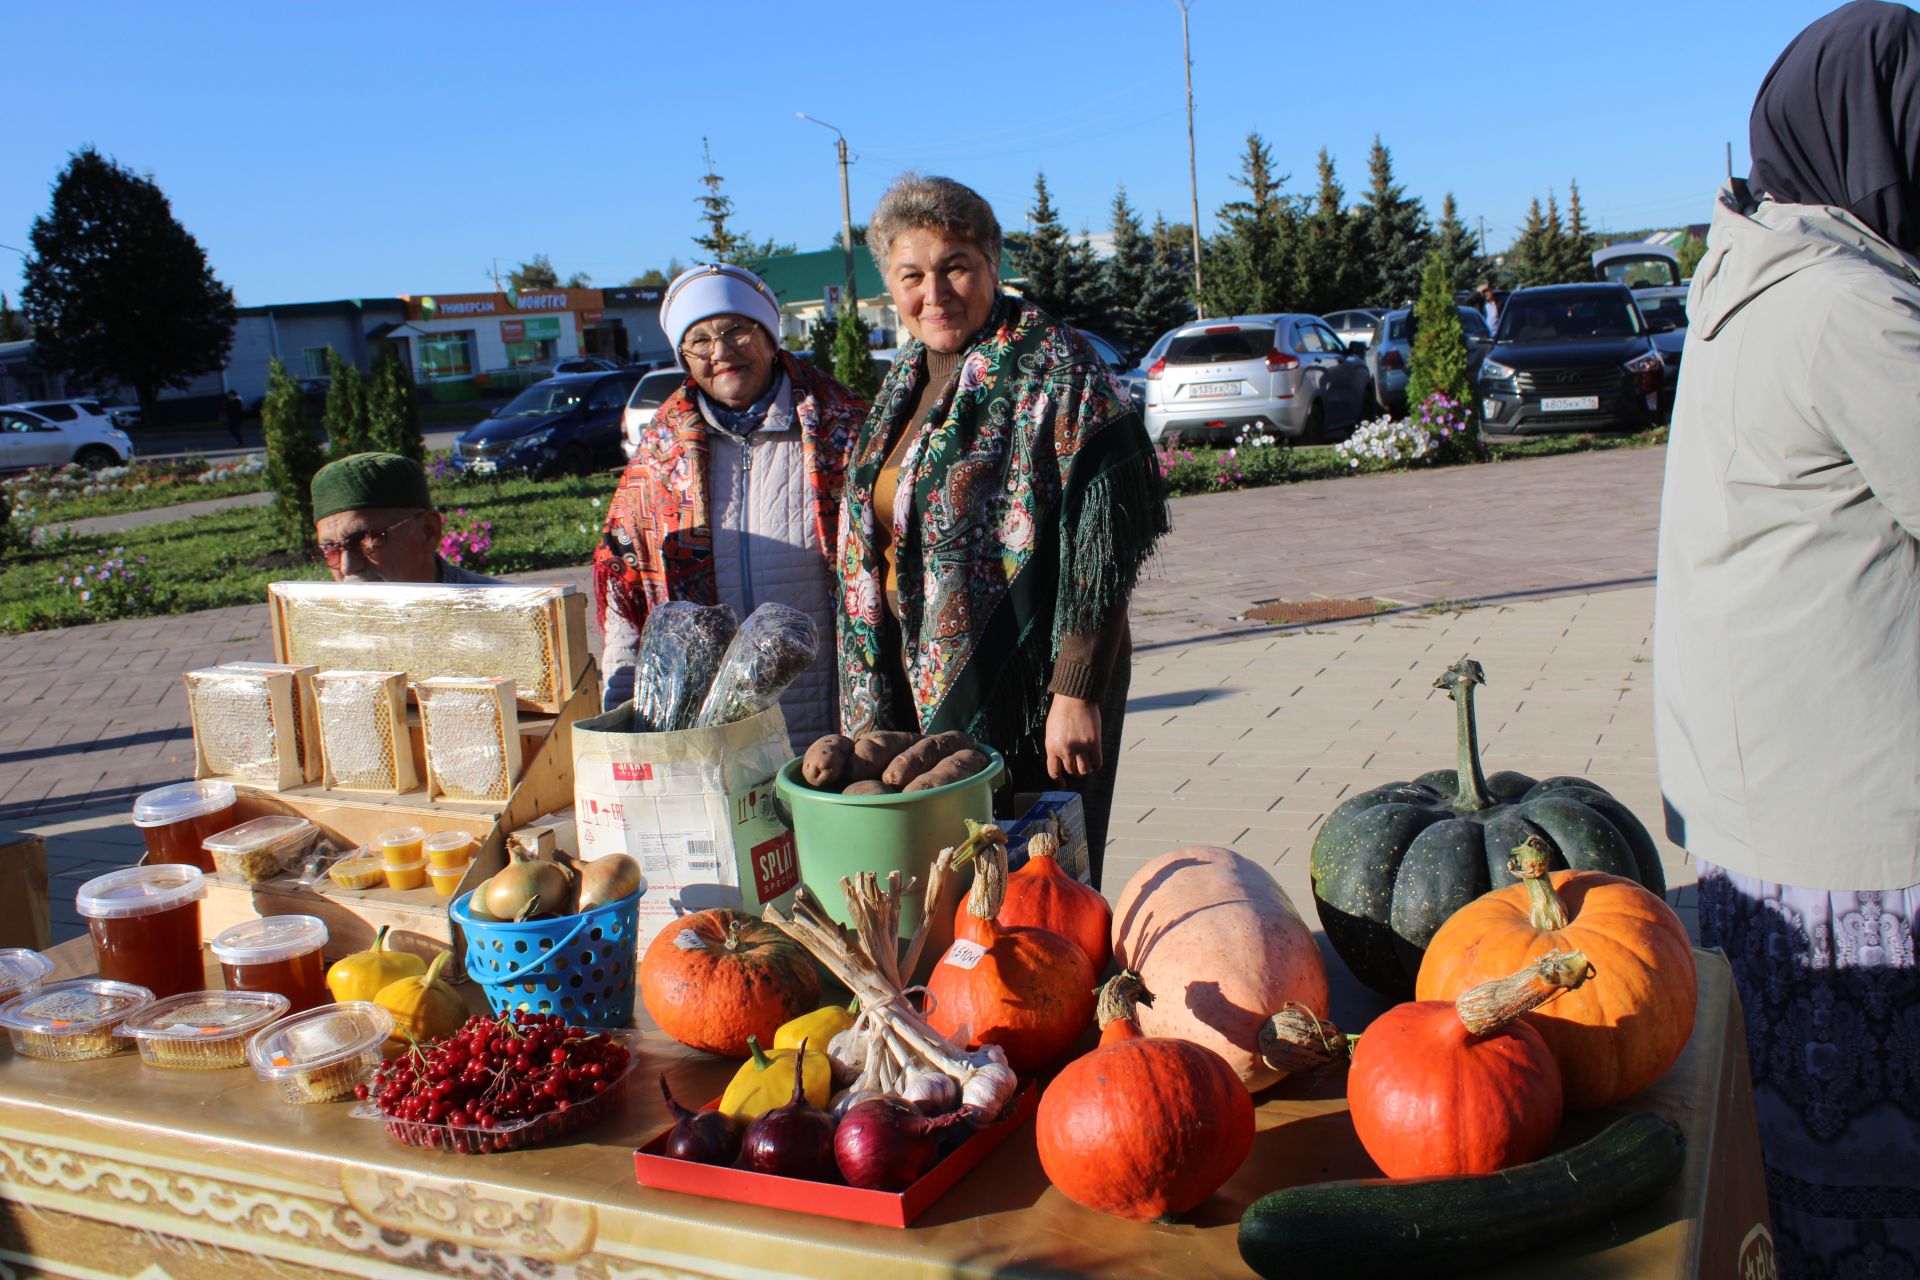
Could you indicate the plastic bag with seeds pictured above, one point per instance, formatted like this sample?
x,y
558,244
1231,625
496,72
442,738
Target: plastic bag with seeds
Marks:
x,y
775,644
680,650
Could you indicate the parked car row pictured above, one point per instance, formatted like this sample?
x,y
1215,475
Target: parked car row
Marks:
x,y
52,433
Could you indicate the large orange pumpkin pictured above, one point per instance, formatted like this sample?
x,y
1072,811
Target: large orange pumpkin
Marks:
x,y
1620,1032
1143,1127
1041,895
714,978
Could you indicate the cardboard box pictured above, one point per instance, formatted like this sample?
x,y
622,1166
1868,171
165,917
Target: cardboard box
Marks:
x,y
828,1199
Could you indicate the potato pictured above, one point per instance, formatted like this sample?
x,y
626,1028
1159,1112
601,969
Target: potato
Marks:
x,y
924,755
962,764
825,763
873,752
870,787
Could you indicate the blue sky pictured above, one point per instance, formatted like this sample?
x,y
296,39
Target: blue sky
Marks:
x,y
342,149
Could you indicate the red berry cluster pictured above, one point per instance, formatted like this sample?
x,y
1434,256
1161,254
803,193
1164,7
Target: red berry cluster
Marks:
x,y
496,1074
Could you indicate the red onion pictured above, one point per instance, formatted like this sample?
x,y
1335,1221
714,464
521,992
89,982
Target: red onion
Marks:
x,y
704,1137
885,1144
794,1141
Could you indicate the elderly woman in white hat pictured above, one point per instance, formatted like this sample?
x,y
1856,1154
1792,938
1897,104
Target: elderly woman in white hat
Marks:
x,y
733,495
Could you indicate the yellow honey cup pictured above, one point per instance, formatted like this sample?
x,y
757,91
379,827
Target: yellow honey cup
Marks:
x,y
400,845
446,880
411,875
449,849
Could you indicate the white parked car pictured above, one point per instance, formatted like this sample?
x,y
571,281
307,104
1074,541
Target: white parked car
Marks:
x,y
648,395
40,435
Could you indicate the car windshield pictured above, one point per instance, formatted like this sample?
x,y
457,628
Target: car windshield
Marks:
x,y
1551,319
1217,346
1641,273
545,398
1672,310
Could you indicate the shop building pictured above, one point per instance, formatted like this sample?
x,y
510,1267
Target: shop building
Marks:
x,y
461,342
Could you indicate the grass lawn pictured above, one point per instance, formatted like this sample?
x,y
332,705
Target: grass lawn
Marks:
x,y
228,557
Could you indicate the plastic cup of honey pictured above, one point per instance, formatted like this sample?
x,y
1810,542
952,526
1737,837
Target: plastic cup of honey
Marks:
x,y
411,875
448,849
446,880
278,954
145,923
400,845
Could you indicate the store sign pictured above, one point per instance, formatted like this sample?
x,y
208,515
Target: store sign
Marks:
x,y
591,317
455,306
832,300
544,327
513,330
641,295
538,301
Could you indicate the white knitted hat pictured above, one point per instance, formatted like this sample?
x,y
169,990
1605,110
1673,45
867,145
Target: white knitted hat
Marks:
x,y
717,289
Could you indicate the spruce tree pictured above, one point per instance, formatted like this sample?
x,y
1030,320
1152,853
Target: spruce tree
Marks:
x,y
1145,284
1062,275
1167,299
1251,264
1458,249
292,457
719,243
345,415
1439,363
852,355
13,325
1576,249
1394,232
393,418
1331,256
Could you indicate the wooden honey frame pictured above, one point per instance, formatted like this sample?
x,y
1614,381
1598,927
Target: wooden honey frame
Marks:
x,y
390,698
306,712
290,771
500,691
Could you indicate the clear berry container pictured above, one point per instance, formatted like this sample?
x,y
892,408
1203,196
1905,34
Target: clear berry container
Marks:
x,y
70,1021
21,971
257,851
202,1030
320,1055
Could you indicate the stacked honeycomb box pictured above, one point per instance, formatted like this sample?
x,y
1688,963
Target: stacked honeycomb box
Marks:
x,y
472,733
364,743
306,723
244,727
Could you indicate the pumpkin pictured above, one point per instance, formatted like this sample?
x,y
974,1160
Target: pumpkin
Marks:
x,y
1043,896
1220,944
424,1007
1391,864
714,978
1617,1034
364,974
1439,1089
1144,1127
1028,990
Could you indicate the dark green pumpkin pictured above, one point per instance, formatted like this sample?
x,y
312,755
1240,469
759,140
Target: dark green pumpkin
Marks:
x,y
1391,864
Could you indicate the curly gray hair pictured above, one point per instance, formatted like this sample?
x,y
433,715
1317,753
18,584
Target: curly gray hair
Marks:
x,y
914,202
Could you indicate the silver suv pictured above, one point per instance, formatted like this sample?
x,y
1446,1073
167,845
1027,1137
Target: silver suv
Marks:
x,y
1288,374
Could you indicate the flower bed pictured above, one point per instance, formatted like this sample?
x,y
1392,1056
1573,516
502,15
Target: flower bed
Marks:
x,y
55,495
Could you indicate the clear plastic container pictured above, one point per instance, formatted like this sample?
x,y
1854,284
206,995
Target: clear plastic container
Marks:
x,y
358,873
411,875
145,923
320,1055
400,845
21,971
446,880
69,1021
177,820
279,954
260,850
450,849
201,1030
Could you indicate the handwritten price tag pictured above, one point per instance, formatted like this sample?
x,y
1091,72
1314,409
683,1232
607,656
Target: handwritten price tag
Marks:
x,y
688,940
964,955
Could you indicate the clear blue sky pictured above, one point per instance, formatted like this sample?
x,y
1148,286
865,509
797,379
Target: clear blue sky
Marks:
x,y
353,149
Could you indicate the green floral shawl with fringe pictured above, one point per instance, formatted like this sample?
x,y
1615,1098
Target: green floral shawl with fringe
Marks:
x,y
1028,503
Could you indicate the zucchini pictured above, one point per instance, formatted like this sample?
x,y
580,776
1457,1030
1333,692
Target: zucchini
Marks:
x,y
1401,1227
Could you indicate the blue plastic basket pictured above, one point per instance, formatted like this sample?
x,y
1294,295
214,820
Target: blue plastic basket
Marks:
x,y
581,967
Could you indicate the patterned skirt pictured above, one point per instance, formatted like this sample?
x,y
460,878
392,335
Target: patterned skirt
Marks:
x,y
1832,1002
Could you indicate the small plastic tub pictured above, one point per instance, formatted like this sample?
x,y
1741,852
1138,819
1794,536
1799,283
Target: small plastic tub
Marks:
x,y
400,845
446,880
177,820
358,873
258,851
201,1030
320,1055
411,875
277,954
145,924
21,971
450,849
70,1021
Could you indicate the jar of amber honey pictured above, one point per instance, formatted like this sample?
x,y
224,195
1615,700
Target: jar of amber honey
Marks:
x,y
145,924
280,954
176,819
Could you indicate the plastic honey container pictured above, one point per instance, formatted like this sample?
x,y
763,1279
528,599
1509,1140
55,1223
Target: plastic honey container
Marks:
x,y
400,845
21,971
68,1021
177,820
446,880
201,1030
278,954
145,924
411,875
450,849
320,1055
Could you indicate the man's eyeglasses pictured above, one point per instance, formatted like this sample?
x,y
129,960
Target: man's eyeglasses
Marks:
x,y
736,336
364,542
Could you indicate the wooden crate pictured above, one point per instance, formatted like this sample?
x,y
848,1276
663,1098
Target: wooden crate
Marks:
x,y
243,727
363,712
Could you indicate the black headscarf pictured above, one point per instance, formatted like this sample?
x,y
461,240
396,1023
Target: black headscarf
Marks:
x,y
1837,121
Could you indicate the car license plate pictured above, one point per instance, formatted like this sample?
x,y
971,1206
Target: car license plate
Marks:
x,y
483,466
1569,404
1200,390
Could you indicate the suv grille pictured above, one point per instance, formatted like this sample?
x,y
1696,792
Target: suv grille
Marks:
x,y
1570,382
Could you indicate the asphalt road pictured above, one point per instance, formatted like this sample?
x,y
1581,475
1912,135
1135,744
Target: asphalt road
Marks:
x,y
155,446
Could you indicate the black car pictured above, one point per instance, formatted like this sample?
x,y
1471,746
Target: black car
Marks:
x,y
566,424
1570,357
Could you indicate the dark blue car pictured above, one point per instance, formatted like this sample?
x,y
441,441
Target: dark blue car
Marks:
x,y
569,424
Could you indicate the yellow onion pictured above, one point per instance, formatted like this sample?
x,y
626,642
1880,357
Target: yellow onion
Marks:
x,y
527,888
607,879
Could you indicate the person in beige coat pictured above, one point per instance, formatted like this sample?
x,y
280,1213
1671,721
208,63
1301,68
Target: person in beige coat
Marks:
x,y
1787,631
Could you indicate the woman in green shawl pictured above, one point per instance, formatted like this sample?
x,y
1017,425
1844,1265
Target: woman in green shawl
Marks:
x,y
1002,498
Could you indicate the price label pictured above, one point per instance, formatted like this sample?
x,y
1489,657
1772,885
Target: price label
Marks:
x,y
964,955
688,940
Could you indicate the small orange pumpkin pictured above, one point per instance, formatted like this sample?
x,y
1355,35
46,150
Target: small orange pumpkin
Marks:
x,y
1043,896
1617,1034
714,978
1144,1127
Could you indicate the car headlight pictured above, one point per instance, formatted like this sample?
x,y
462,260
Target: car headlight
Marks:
x,y
1648,363
1494,369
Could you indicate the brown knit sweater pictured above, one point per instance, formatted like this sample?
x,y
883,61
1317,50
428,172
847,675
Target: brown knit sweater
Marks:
x,y
1085,663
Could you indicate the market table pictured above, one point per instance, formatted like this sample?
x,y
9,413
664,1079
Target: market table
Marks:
x,y
110,1169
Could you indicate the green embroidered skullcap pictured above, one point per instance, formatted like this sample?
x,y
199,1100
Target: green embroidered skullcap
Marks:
x,y
367,480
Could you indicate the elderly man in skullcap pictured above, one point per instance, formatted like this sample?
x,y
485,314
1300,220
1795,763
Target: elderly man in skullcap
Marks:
x,y
375,521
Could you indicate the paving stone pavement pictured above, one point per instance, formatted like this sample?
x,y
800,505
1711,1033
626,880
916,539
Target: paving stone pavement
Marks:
x,y
1237,733
120,523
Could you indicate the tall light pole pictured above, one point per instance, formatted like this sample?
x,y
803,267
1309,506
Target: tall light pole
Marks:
x,y
1193,175
852,298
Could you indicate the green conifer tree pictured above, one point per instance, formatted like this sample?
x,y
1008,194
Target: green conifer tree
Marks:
x,y
1691,250
345,414
1332,259
719,243
1062,275
1459,250
1394,231
1439,364
1579,242
1529,260
293,455
853,366
1251,266
393,416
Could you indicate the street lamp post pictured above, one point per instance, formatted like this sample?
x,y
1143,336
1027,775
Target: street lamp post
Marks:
x,y
1193,176
852,298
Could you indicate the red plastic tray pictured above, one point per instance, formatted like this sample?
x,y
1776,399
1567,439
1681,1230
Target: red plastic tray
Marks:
x,y
830,1199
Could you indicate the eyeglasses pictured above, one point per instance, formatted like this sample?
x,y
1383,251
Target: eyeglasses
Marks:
x,y
737,336
364,542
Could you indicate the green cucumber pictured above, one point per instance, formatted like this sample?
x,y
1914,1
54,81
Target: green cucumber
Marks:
x,y
1402,1227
